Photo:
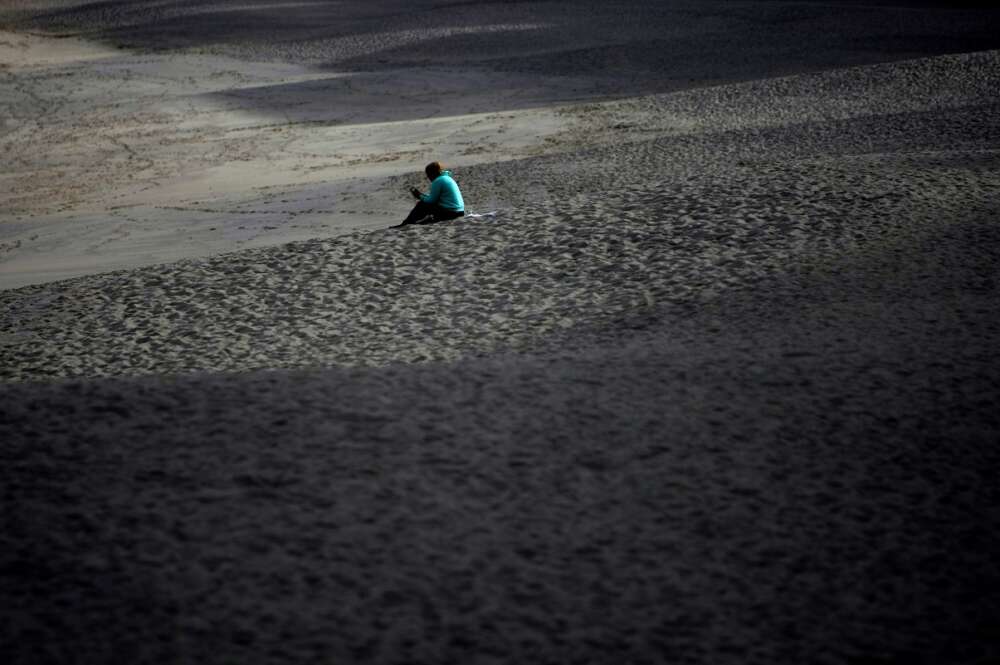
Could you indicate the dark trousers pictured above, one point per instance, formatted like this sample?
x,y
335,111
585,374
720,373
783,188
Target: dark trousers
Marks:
x,y
428,213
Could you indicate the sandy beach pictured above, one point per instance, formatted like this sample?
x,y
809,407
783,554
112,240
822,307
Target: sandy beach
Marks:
x,y
714,382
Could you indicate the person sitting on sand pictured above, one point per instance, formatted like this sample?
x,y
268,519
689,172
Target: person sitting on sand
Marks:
x,y
442,202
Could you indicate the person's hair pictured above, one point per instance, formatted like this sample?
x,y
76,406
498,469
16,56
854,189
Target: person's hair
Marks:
x,y
434,169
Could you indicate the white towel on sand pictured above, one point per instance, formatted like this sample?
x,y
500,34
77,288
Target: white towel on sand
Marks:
x,y
481,215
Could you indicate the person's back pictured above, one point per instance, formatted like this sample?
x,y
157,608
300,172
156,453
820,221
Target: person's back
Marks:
x,y
445,193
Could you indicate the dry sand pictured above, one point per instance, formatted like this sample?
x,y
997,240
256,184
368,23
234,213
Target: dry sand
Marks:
x,y
717,384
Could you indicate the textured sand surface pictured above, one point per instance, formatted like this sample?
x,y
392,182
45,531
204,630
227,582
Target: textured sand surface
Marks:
x,y
669,222
718,384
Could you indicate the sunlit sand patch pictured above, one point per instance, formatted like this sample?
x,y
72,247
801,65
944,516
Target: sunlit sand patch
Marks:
x,y
19,50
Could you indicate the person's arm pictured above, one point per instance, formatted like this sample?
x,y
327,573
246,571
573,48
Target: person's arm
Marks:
x,y
435,193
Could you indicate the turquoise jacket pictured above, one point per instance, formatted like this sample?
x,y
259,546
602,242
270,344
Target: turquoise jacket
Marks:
x,y
444,192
